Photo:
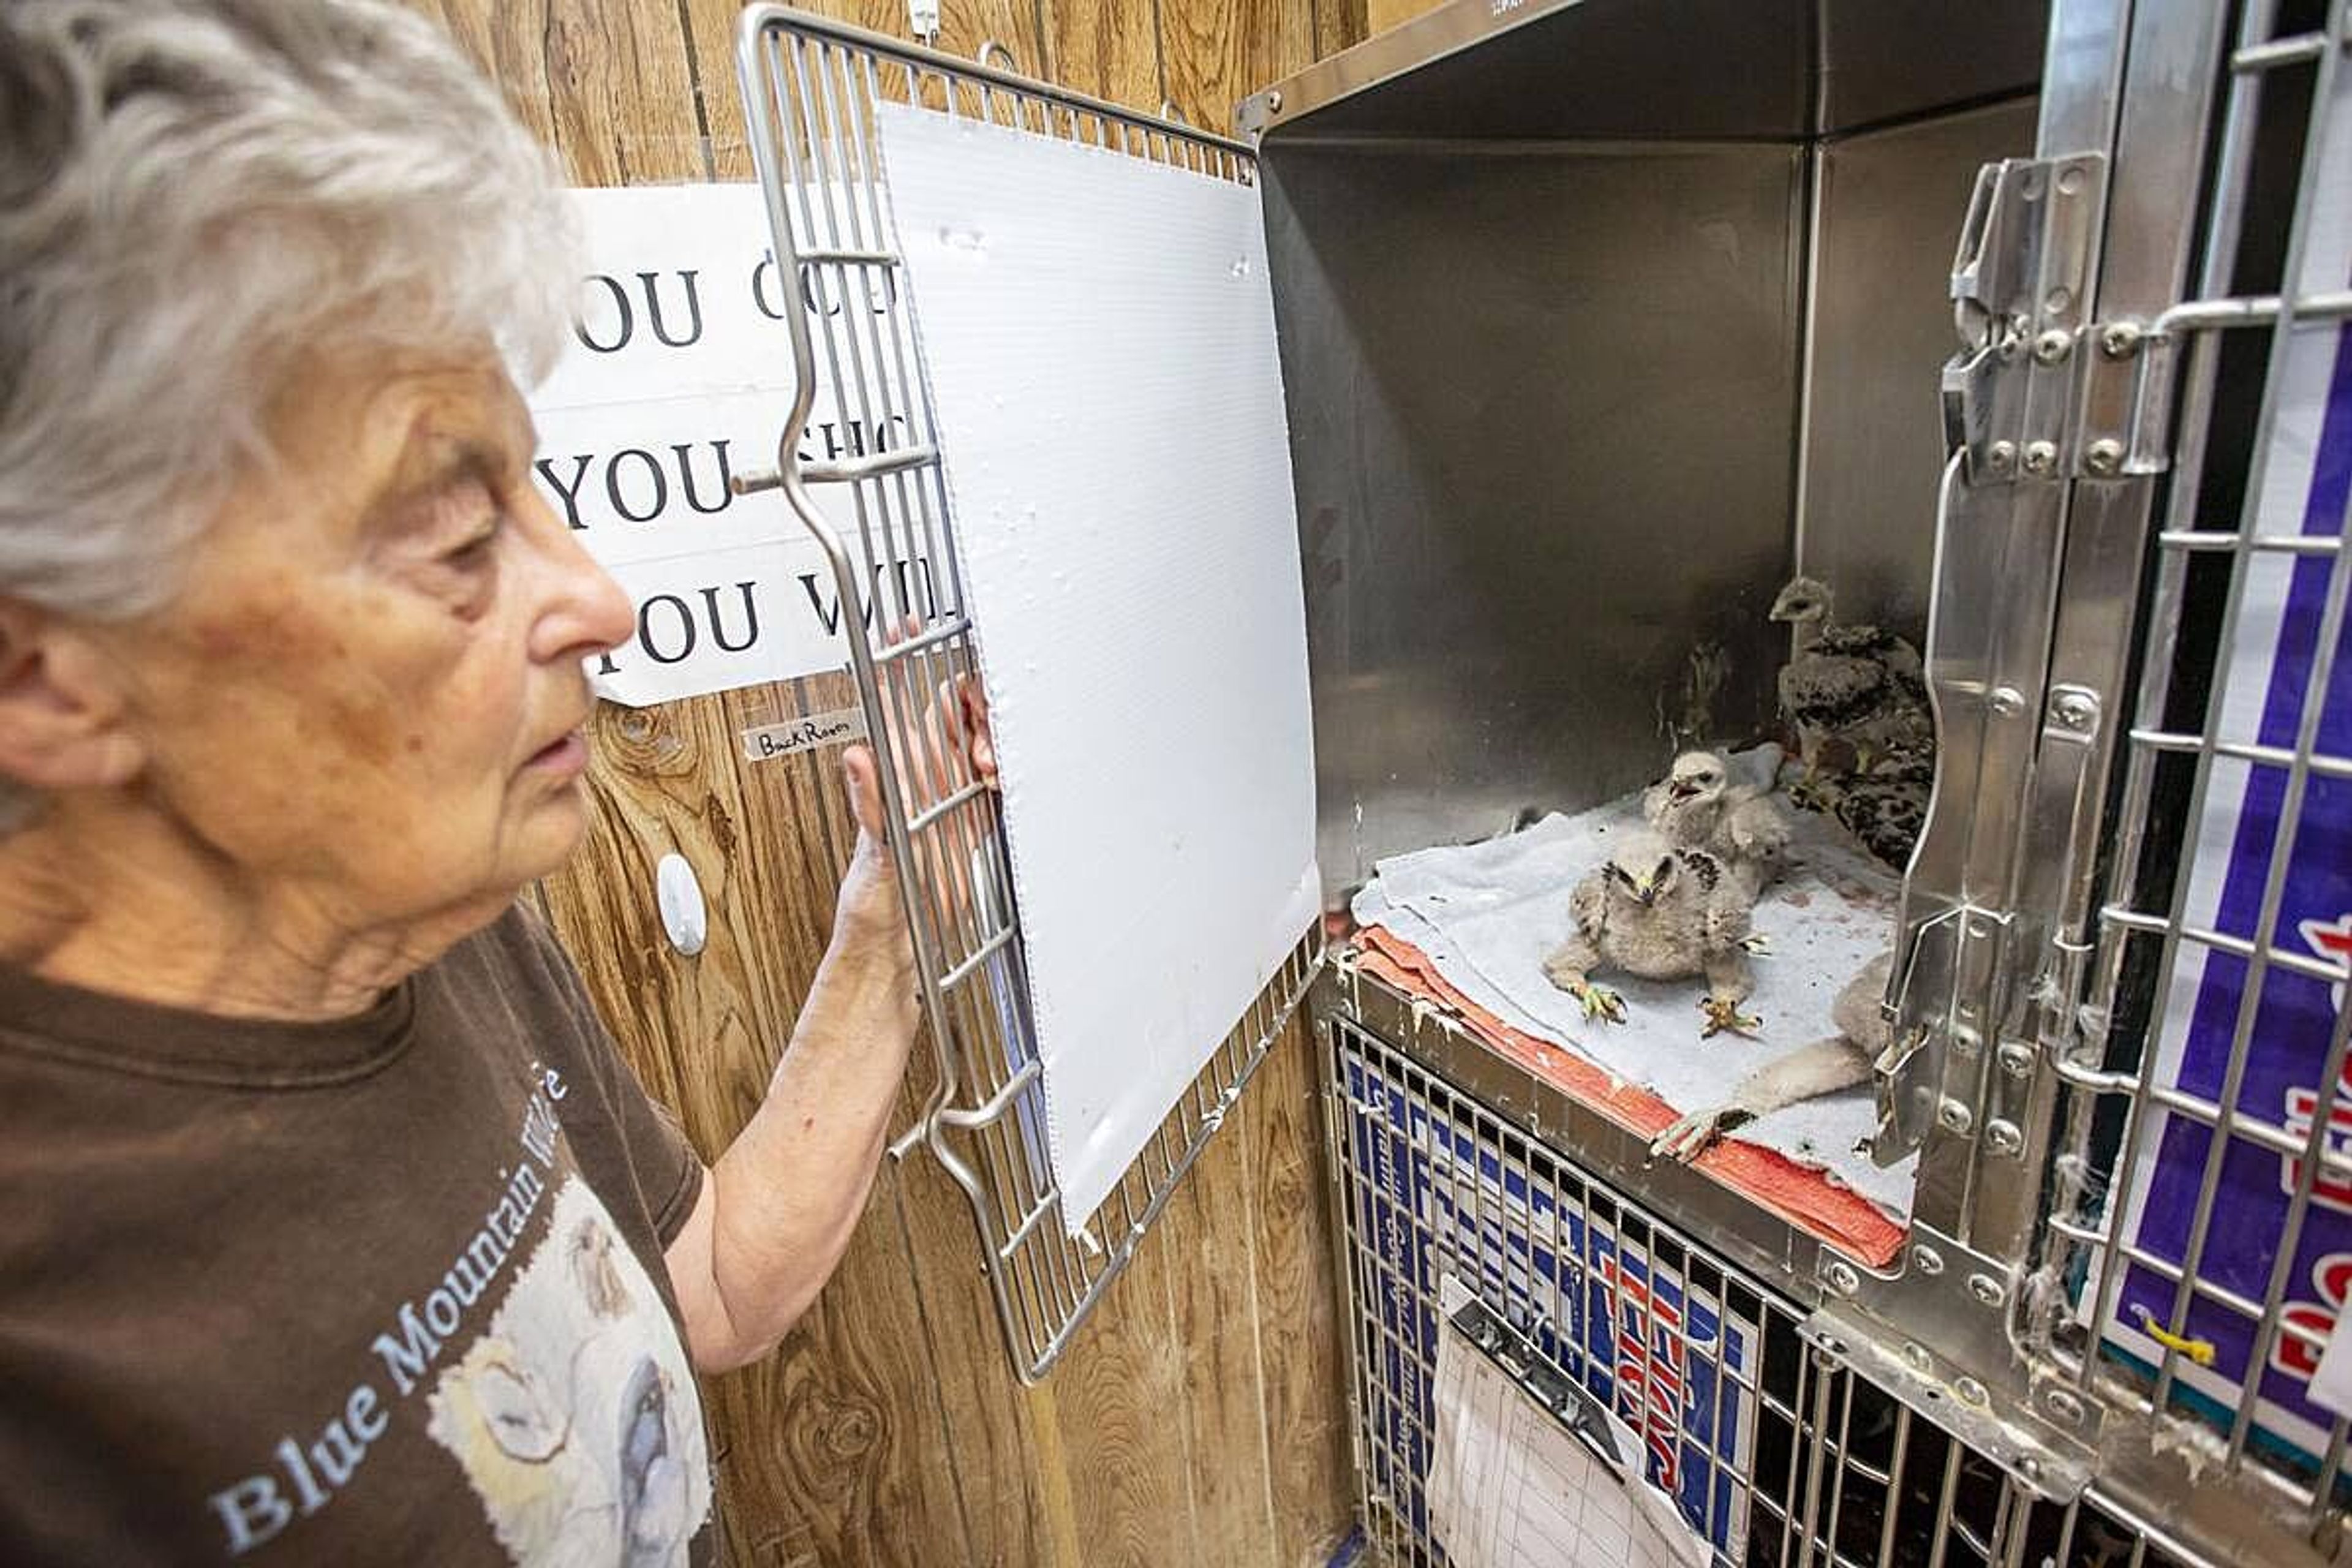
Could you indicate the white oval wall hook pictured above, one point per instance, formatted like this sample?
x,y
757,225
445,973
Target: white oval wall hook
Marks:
x,y
678,894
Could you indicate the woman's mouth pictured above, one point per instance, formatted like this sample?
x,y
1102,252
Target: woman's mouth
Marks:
x,y
565,756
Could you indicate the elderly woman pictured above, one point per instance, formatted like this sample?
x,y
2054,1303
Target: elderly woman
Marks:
x,y
331,1228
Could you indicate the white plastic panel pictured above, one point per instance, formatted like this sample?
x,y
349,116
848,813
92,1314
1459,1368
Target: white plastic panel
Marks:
x,y
1098,337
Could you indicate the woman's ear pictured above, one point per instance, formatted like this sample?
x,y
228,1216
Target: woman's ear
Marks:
x,y
62,709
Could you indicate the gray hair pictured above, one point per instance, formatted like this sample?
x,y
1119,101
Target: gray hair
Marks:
x,y
199,199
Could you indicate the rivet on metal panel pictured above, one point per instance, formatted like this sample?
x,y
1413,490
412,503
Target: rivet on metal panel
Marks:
x,y
1988,1289
2069,179
2059,301
2000,455
1970,1391
1273,102
2075,707
1956,1117
2119,340
2007,701
1834,1346
2029,1467
1915,1356
1926,1259
2017,1058
2030,184
1842,1277
2062,1403
2104,456
2053,346
2041,457
2002,1138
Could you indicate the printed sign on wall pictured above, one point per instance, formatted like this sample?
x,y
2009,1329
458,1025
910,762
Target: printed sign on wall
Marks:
x,y
679,377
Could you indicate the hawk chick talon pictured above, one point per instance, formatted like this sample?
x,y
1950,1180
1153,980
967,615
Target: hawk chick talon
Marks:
x,y
1600,1002
1724,1017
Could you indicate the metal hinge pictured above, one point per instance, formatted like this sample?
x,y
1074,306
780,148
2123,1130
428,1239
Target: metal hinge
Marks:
x,y
2037,391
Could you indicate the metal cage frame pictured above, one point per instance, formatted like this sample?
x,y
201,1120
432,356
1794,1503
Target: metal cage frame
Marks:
x,y
1832,1471
809,84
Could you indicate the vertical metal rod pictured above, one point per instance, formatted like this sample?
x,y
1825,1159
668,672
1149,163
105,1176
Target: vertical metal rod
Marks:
x,y
1894,1485
1943,1530
1844,1462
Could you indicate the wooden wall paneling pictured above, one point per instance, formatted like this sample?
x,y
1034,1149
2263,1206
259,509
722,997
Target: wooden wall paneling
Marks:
x,y
1115,1400
1105,48
1382,15
1013,1485
1302,1343
486,32
1340,24
1213,1293
1218,52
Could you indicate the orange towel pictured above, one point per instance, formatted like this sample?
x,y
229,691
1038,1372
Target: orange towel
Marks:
x,y
1804,1197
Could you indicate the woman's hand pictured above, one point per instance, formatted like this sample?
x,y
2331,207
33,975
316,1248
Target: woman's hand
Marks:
x,y
950,746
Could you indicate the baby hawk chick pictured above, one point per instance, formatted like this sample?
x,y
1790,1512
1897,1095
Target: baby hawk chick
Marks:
x,y
1698,806
1806,1073
1851,693
1663,914
1886,805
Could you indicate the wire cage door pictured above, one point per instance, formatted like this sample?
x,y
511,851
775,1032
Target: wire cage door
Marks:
x,y
810,88
2121,1240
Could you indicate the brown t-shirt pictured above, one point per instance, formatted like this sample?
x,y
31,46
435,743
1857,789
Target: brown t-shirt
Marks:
x,y
388,1290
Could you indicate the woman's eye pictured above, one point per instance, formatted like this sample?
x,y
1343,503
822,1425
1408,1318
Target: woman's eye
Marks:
x,y
473,549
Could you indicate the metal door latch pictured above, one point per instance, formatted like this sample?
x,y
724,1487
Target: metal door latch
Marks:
x,y
2039,390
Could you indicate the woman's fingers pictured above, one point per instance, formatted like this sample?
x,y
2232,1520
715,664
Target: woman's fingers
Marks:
x,y
865,780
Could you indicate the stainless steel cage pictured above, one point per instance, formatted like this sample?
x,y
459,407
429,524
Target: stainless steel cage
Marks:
x,y
810,86
2130,290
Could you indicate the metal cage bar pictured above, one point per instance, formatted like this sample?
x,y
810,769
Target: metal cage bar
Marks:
x,y
810,87
1778,1453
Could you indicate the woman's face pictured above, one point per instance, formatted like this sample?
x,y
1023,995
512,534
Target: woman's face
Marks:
x,y
368,696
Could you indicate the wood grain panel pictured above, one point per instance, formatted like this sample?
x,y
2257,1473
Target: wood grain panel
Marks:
x,y
999,1443
1105,48
1214,1293
1115,1401
1218,52
1301,1341
1340,24
1382,15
